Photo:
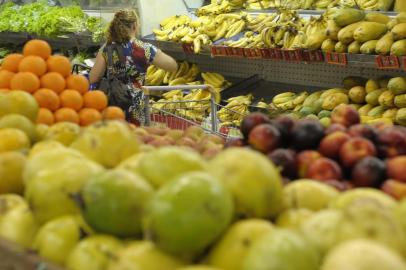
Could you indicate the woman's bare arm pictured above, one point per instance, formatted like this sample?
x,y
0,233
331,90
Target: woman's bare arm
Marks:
x,y
98,69
165,62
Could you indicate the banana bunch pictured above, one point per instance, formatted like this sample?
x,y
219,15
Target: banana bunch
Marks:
x,y
174,28
259,4
235,110
288,101
215,79
325,4
217,7
315,30
186,73
284,31
258,23
249,40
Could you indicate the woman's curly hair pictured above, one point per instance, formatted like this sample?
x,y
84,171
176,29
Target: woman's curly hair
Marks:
x,y
121,26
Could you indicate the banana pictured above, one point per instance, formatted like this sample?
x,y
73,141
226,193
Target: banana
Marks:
x,y
283,97
300,98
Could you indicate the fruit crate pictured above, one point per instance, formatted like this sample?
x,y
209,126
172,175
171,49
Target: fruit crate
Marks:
x,y
13,257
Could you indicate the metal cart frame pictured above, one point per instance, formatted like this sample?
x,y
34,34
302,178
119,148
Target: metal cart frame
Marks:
x,y
213,107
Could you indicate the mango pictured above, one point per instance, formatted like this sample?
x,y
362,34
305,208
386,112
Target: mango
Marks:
x,y
363,111
372,98
399,31
377,17
341,47
354,47
377,111
399,48
332,30
346,34
367,31
400,6
384,44
347,16
401,117
397,85
333,100
386,98
357,94
369,47
400,101
328,45
371,85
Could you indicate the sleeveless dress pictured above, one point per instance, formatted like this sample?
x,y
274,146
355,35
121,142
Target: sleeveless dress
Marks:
x,y
138,57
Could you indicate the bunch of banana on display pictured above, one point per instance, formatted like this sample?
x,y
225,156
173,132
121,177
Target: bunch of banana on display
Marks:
x,y
289,101
217,7
285,32
235,110
174,28
259,4
185,73
316,33
249,40
216,80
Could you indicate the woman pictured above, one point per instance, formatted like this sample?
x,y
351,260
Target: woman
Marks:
x,y
137,57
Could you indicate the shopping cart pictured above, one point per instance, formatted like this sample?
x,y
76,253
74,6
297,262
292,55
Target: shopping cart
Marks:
x,y
181,114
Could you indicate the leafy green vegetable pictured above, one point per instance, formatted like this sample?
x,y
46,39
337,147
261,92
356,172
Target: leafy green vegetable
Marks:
x,y
51,21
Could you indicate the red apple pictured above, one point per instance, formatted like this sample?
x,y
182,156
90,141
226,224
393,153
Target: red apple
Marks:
x,y
392,142
252,120
396,168
285,159
331,144
369,172
335,127
304,159
394,188
365,131
355,149
264,138
345,115
324,169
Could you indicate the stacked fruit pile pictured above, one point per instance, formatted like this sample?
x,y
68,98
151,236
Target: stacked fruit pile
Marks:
x,y
375,99
353,31
383,5
169,208
338,30
364,155
62,97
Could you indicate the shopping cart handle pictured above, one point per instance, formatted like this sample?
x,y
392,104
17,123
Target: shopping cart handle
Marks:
x,y
148,89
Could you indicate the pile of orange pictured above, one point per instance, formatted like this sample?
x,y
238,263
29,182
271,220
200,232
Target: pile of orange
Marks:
x,y
62,96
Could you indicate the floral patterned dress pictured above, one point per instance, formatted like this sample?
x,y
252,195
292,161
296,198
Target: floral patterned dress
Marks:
x,y
138,56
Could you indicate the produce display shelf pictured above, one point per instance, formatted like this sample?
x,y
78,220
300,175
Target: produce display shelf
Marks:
x,y
303,12
79,41
13,257
352,60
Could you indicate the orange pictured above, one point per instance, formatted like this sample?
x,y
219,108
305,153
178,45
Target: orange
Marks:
x,y
12,61
60,64
47,98
34,64
71,99
45,116
37,47
113,113
77,82
25,81
89,116
5,78
53,81
4,90
66,115
95,99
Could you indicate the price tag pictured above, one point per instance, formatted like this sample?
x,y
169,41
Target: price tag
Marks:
x,y
252,53
188,47
292,55
276,54
313,56
265,53
337,58
218,51
387,62
237,52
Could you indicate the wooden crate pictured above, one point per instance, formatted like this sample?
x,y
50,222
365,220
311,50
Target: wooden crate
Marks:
x,y
12,257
